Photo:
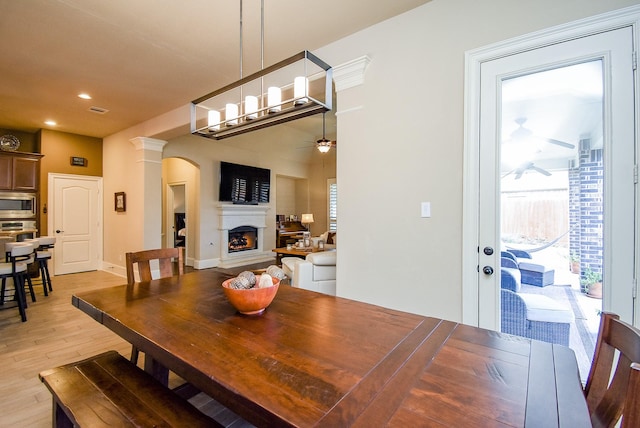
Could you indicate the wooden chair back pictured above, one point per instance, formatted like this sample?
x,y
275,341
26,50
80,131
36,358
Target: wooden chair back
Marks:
x,y
165,258
609,398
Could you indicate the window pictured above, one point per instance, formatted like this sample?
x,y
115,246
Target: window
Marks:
x,y
332,203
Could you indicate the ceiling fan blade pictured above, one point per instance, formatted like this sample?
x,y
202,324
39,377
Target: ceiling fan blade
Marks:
x,y
560,143
540,170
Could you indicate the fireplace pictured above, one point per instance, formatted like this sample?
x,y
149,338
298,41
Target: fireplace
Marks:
x,y
243,238
242,235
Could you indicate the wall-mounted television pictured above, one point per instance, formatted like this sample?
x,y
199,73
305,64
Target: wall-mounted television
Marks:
x,y
242,184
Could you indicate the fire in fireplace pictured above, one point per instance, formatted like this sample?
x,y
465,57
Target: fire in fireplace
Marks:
x,y
243,238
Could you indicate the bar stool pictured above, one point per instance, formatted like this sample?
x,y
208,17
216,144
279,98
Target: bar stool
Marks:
x,y
25,258
43,255
16,268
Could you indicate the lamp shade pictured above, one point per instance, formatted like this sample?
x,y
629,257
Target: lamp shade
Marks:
x,y
300,90
307,218
213,120
251,107
231,114
274,99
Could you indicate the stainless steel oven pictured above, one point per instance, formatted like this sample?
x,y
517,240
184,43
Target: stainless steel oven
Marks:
x,y
17,205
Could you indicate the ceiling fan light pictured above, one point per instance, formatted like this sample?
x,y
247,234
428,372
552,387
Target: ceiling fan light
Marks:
x,y
323,145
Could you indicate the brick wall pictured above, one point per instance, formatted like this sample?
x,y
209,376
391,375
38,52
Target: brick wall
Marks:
x,y
586,208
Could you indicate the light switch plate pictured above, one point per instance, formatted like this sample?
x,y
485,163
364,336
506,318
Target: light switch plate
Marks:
x,y
425,209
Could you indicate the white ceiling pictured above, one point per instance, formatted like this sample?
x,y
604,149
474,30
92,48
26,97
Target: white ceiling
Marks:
x,y
564,104
141,58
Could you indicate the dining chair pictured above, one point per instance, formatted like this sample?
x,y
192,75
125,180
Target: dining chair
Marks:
x,y
609,398
25,258
16,269
42,256
164,256
143,259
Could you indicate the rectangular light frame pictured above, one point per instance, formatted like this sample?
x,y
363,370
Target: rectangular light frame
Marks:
x,y
313,68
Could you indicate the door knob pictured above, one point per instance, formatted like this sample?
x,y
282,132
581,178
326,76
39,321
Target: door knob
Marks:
x,y
488,250
488,270
59,231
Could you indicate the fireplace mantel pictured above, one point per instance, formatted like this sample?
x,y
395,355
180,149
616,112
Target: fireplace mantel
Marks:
x,y
232,216
237,215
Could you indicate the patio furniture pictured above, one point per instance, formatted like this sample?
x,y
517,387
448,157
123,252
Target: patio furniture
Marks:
x,y
533,315
531,273
521,254
536,274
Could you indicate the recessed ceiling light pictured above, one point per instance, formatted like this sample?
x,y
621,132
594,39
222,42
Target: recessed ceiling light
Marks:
x,y
50,122
84,96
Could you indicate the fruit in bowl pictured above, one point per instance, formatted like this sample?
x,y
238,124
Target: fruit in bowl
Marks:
x,y
251,297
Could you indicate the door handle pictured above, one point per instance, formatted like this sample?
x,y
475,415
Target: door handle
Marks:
x,y
488,270
59,231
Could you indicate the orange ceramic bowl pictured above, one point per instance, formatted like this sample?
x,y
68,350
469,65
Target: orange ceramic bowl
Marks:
x,y
252,301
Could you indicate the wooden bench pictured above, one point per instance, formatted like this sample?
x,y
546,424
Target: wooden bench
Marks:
x,y
108,390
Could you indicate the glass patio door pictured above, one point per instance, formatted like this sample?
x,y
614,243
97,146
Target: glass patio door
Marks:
x,y
556,139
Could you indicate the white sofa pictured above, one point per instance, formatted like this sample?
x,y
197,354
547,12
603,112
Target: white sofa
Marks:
x,y
316,272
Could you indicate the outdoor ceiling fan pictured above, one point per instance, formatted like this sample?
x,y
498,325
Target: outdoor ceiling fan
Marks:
x,y
524,167
522,134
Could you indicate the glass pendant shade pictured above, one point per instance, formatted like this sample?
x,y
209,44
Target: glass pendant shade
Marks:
x,y
274,99
251,107
213,120
323,145
231,114
300,90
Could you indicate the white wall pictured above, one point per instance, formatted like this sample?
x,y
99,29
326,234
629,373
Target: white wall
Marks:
x,y
286,197
403,145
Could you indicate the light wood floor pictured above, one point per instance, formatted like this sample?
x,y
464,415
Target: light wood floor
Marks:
x,y
57,333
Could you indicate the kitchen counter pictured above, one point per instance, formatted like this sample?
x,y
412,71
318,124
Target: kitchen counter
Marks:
x,y
15,233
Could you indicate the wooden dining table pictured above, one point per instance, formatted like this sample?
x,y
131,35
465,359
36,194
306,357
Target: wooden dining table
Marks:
x,y
317,360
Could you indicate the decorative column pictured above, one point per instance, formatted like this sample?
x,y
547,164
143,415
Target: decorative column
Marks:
x,y
146,198
351,127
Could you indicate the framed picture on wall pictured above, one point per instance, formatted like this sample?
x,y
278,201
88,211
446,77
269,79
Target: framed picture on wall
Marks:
x,y
120,202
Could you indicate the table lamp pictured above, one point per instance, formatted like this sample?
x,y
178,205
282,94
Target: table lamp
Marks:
x,y
307,219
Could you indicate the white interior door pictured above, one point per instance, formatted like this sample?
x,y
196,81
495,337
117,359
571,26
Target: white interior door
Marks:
x,y
76,206
614,50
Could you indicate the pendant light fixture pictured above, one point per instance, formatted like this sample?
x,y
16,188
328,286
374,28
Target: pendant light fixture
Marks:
x,y
323,144
291,89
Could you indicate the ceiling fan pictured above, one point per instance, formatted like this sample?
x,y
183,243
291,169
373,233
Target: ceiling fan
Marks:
x,y
523,133
524,167
323,144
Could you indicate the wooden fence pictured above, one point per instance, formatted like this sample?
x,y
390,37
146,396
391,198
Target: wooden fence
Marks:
x,y
535,217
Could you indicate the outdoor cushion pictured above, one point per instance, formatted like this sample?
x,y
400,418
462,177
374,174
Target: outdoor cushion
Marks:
x,y
545,309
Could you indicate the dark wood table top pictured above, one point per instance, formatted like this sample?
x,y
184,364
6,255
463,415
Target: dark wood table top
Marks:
x,y
316,360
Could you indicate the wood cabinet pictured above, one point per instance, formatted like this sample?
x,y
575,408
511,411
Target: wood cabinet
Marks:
x,y
19,171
